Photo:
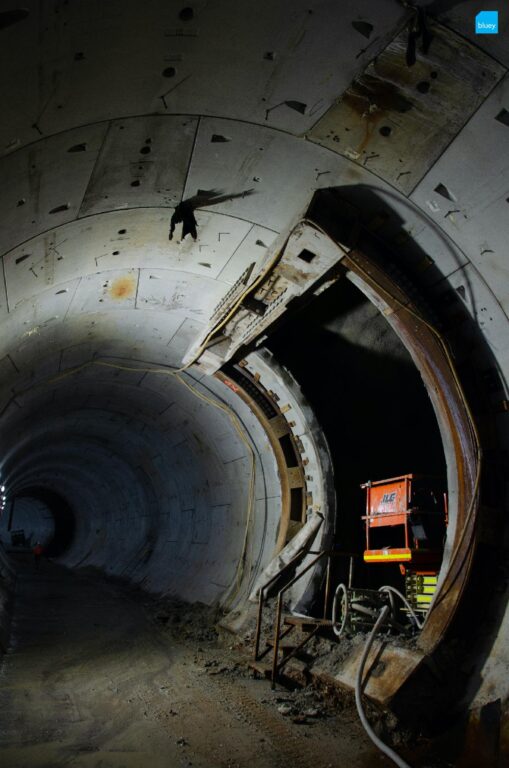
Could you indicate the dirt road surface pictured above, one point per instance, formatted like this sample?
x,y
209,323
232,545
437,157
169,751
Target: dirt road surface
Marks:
x,y
96,678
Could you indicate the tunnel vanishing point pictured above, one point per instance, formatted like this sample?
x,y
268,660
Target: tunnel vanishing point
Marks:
x,y
194,416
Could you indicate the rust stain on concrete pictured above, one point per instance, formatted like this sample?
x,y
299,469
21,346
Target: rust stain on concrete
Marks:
x,y
375,121
123,287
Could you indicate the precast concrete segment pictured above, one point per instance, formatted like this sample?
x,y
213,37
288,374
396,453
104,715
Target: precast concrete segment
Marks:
x,y
377,118
133,238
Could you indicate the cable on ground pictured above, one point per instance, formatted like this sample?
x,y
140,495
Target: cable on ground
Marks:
x,y
390,753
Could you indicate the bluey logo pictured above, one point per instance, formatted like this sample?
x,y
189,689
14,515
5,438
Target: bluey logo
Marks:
x,y
486,23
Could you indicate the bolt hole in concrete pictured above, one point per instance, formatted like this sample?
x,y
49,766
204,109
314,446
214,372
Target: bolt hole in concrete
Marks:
x,y
503,117
443,191
307,256
364,28
8,18
385,130
423,86
186,14
60,208
169,72
78,147
135,183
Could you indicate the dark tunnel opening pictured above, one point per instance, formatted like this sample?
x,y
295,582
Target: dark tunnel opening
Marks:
x,y
63,519
38,515
371,402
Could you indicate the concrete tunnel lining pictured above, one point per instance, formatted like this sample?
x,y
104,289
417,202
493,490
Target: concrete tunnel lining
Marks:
x,y
158,478
95,166
192,523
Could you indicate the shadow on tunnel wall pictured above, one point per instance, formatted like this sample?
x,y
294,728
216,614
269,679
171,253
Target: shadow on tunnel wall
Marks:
x,y
365,218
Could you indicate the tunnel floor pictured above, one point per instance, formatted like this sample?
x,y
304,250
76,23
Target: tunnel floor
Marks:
x,y
92,678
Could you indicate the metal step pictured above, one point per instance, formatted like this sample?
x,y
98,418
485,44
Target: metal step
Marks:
x,y
306,621
282,646
265,670
295,672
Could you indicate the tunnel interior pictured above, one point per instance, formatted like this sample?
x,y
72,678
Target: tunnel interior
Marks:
x,y
253,258
163,482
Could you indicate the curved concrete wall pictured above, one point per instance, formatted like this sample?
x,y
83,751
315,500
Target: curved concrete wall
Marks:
x,y
158,478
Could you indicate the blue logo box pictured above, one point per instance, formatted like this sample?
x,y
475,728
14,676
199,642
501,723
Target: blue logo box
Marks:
x,y
486,23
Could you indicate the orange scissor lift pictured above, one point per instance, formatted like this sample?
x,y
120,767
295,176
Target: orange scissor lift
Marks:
x,y
406,519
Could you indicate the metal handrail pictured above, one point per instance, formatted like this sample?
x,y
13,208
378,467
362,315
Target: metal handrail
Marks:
x,y
278,636
262,595
407,512
277,629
